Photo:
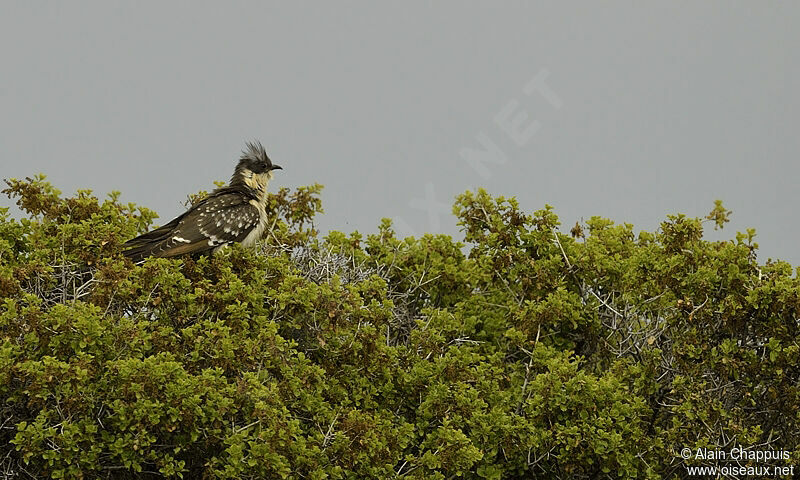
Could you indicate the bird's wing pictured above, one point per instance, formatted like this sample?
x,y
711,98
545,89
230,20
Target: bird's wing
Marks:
x,y
218,220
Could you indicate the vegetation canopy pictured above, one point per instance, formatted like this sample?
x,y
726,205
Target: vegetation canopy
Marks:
x,y
522,352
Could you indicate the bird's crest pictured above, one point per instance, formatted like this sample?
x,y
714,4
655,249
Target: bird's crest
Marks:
x,y
255,152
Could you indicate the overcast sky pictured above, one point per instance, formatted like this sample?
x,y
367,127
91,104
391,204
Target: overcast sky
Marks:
x,y
628,110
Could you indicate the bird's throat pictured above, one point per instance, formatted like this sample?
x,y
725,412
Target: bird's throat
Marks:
x,y
257,182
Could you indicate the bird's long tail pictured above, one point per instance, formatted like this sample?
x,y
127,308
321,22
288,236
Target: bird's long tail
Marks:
x,y
150,243
139,253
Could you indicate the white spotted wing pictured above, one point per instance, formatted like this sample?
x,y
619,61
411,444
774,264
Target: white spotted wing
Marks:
x,y
217,221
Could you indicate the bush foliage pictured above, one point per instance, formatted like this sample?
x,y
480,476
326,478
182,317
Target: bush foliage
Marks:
x,y
522,352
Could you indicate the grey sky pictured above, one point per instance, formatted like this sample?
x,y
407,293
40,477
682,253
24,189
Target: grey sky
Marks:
x,y
650,108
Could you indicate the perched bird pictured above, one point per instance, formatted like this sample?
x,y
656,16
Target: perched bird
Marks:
x,y
231,214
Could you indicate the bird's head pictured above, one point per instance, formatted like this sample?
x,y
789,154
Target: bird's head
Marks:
x,y
255,167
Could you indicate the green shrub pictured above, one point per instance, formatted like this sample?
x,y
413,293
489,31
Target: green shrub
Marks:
x,y
523,352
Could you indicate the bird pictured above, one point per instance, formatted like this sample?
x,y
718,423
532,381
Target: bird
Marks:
x,y
235,213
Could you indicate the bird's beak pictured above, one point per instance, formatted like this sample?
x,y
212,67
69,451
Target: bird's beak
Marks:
x,y
276,167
